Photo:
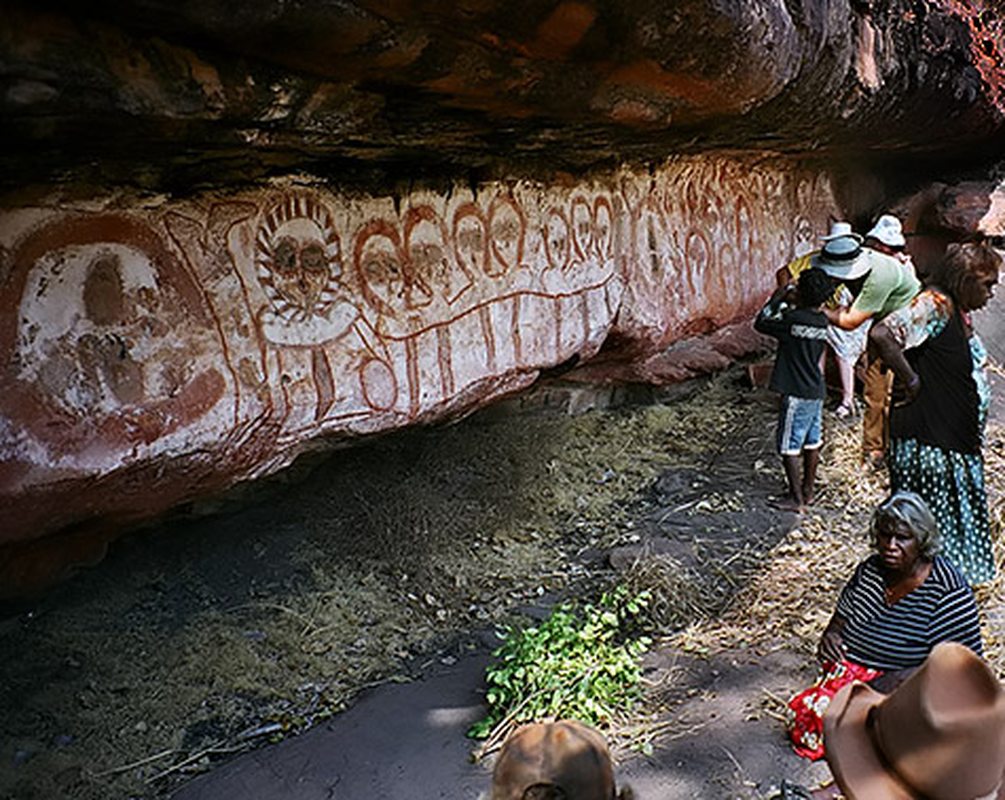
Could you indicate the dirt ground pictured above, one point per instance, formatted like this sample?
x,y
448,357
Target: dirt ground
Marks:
x,y
325,634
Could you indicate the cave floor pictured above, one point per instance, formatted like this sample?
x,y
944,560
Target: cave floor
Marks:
x,y
325,633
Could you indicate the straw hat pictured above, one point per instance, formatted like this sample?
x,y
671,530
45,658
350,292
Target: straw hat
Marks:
x,y
566,754
939,736
888,231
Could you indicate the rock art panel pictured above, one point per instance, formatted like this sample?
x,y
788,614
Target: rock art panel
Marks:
x,y
215,339
111,360
103,328
702,234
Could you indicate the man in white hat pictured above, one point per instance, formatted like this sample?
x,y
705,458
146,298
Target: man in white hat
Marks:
x,y
886,236
878,283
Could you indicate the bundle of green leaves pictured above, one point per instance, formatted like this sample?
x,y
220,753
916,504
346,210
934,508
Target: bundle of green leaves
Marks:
x,y
582,662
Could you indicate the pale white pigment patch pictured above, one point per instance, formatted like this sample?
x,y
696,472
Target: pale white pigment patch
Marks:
x,y
53,319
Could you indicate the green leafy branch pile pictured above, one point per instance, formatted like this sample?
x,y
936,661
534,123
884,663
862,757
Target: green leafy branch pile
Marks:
x,y
582,662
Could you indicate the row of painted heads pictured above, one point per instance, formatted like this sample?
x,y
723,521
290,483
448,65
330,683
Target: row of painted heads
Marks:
x,y
492,241
302,260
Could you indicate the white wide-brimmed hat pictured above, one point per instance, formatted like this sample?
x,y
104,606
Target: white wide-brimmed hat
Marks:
x,y
842,257
888,231
840,230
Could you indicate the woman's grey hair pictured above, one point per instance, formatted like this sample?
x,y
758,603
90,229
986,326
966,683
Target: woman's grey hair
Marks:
x,y
909,508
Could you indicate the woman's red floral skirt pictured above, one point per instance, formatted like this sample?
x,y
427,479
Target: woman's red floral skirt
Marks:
x,y
804,714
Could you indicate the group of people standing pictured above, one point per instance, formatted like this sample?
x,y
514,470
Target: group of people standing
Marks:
x,y
926,403
925,388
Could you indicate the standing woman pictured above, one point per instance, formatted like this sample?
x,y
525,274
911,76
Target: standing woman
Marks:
x,y
940,402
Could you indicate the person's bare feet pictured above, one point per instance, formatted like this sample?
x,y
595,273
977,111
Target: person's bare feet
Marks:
x,y
873,462
786,504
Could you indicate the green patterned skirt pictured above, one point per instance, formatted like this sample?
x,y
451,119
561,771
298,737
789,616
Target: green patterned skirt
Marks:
x,y
953,486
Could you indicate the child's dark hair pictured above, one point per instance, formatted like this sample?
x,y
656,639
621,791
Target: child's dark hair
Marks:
x,y
815,288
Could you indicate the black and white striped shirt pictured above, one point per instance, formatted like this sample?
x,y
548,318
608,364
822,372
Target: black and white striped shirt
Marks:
x,y
886,637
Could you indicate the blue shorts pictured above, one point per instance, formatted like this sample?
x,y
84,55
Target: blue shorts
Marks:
x,y
799,425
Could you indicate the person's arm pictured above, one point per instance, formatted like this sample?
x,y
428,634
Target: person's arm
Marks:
x,y
770,320
890,350
846,318
907,327
790,272
831,646
784,276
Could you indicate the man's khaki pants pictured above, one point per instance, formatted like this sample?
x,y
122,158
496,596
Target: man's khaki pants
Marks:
x,y
876,386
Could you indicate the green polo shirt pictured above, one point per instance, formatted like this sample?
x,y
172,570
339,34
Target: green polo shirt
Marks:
x,y
888,286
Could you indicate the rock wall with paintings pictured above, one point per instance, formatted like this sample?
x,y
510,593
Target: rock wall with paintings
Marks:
x,y
155,351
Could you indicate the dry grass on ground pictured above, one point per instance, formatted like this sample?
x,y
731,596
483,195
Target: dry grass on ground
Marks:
x,y
213,636
790,600
216,635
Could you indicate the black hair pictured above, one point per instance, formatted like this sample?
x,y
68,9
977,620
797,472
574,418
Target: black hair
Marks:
x,y
815,287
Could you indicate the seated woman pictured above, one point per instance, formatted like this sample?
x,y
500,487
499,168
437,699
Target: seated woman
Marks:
x,y
900,602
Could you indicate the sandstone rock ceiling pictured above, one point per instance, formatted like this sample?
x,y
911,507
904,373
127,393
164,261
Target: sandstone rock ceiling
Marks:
x,y
170,94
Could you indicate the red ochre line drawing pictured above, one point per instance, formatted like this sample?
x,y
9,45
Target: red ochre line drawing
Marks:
x,y
485,318
187,235
574,241
263,345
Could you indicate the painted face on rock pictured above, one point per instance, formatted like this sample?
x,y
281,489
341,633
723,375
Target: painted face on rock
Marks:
x,y
803,239
897,545
300,272
382,273
298,260
582,227
506,230
472,249
556,241
426,251
604,227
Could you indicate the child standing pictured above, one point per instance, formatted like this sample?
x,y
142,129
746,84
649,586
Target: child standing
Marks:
x,y
794,315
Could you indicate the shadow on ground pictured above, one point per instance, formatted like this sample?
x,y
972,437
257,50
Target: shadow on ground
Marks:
x,y
242,644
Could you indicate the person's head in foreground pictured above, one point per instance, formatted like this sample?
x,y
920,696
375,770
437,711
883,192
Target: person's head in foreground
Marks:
x,y
939,736
563,760
904,532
